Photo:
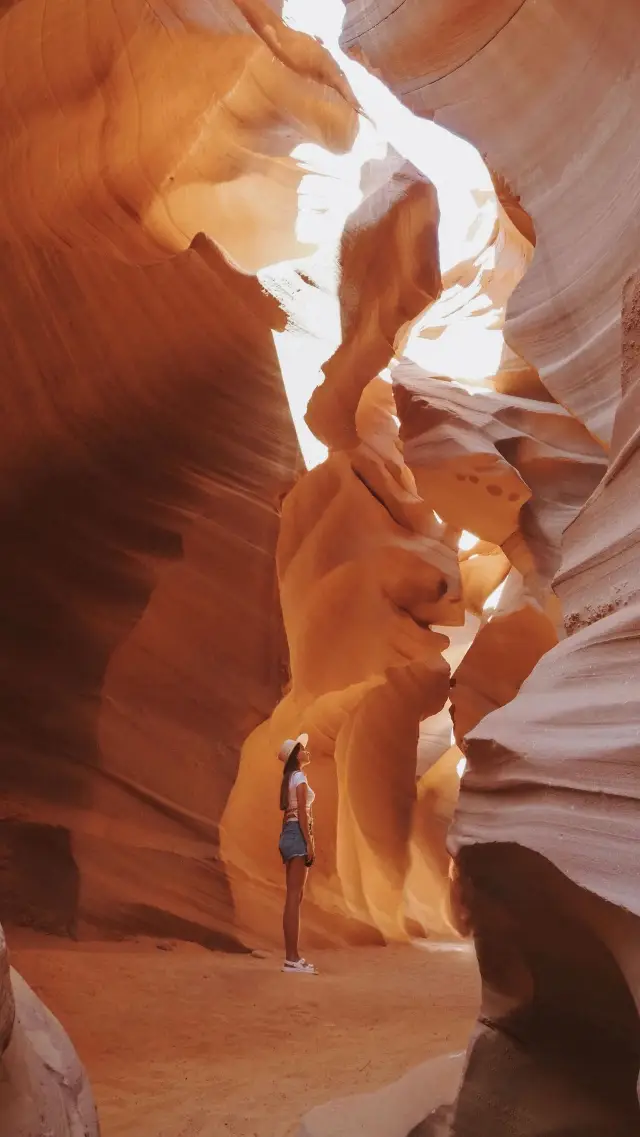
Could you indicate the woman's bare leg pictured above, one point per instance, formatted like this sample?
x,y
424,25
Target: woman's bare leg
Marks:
x,y
296,877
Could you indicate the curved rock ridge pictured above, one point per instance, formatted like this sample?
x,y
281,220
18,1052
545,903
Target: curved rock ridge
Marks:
x,y
475,455
43,1087
546,825
183,121
148,448
516,472
547,945
554,65
147,442
139,193
561,762
140,498
553,907
393,1110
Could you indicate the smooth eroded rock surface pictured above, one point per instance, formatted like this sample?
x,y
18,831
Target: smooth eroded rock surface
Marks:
x,y
43,1086
147,446
146,584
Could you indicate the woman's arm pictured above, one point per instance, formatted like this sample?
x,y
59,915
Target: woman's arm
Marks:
x,y
303,818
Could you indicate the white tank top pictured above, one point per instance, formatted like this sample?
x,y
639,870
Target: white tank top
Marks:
x,y
298,779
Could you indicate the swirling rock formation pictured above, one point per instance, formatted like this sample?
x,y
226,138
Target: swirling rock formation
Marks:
x,y
162,121
361,701
490,456
43,1087
459,64
143,192
515,471
146,443
131,466
547,819
362,698
570,835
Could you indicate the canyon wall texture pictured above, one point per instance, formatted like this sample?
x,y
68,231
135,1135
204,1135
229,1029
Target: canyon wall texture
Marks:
x,y
568,82
546,829
43,1087
491,455
144,717
139,501
148,446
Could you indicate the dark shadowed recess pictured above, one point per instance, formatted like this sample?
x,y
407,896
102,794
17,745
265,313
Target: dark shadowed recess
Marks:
x,y
39,877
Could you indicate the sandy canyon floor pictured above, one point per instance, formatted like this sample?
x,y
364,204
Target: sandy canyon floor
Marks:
x,y
182,1042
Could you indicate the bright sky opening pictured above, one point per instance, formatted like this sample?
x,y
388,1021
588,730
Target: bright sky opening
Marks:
x,y
466,350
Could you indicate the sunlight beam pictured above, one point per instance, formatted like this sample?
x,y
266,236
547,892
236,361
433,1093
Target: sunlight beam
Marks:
x,y
492,601
467,541
469,343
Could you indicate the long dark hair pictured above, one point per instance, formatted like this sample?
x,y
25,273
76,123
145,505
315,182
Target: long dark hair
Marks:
x,y
291,765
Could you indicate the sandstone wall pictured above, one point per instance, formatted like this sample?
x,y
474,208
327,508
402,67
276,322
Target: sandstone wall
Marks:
x,y
497,457
43,1087
549,803
547,93
147,441
145,447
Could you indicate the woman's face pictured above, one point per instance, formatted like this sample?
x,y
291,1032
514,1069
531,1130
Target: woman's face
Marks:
x,y
304,757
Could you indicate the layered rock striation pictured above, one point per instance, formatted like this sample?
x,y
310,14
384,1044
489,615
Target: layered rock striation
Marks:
x,y
148,446
43,1087
147,443
547,819
487,455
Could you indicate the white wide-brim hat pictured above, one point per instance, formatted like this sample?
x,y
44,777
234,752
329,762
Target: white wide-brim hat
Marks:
x,y
290,744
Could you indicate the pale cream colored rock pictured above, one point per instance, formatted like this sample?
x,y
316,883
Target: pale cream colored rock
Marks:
x,y
44,1089
392,1111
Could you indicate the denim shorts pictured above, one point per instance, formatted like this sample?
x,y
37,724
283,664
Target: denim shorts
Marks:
x,y
292,843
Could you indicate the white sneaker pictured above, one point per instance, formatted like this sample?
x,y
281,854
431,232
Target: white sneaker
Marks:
x,y
300,965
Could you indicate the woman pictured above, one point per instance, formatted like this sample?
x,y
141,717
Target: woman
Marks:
x,y
296,843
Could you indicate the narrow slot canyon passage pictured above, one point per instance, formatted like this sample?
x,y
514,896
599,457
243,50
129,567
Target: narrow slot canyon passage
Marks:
x,y
319,422
435,447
